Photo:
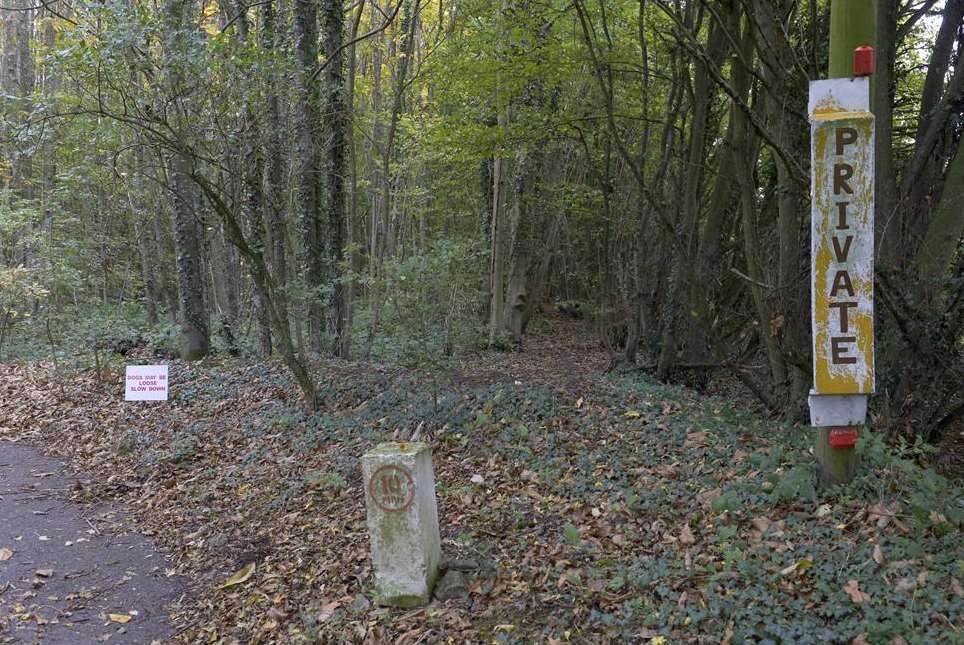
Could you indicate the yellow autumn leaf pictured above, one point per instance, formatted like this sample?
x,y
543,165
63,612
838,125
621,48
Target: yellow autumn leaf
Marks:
x,y
801,566
658,640
240,576
632,414
119,618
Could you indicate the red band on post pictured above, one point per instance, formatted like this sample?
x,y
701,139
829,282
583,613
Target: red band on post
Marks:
x,y
864,61
843,437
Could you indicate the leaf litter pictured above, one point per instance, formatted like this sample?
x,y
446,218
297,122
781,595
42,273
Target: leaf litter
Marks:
x,y
586,521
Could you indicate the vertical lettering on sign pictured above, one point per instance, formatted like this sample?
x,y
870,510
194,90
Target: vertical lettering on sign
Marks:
x,y
842,251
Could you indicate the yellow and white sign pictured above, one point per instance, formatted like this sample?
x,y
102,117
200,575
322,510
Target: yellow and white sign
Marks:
x,y
842,236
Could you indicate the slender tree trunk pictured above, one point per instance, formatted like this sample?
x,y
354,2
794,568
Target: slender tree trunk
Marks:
x,y
336,169
946,229
498,250
885,201
788,130
683,320
17,81
744,161
146,244
353,227
275,202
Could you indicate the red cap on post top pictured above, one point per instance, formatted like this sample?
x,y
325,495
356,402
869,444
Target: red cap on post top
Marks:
x,y
864,61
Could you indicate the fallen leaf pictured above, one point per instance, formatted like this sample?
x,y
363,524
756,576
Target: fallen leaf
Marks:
x,y
823,510
697,439
882,514
327,610
852,589
119,618
686,536
632,414
878,554
240,576
478,479
666,470
800,566
5,554
905,584
761,524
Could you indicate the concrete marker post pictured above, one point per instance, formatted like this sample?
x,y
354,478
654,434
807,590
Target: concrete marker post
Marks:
x,y
402,522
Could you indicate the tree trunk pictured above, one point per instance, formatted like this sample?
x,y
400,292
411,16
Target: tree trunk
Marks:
x,y
311,254
885,206
498,248
195,336
788,130
275,201
943,237
253,195
336,168
146,243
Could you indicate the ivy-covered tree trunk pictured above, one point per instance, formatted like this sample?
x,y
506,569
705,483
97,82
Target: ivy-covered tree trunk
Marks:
x,y
308,153
17,82
253,194
194,338
336,169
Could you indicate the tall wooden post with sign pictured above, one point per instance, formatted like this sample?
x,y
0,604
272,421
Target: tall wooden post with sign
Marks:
x,y
842,240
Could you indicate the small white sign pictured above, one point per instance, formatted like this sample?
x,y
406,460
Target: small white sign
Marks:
x,y
146,383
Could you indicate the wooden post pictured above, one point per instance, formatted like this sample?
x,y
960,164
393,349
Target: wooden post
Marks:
x,y
838,402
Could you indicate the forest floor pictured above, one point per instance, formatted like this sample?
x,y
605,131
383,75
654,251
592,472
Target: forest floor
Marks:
x,y
596,507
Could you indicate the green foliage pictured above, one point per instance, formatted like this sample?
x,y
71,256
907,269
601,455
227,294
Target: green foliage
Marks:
x,y
18,294
325,480
431,305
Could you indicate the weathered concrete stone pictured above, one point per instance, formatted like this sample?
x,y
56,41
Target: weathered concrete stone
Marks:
x,y
402,522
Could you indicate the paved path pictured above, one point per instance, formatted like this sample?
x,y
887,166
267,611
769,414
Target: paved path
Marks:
x,y
72,565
